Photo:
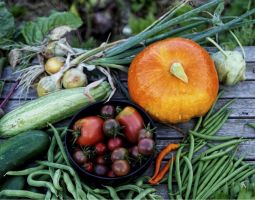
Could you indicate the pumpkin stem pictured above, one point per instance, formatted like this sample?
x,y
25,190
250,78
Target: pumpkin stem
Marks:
x,y
177,70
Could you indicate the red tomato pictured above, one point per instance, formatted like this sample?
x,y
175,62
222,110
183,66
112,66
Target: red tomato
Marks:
x,y
132,122
88,166
91,130
100,148
114,143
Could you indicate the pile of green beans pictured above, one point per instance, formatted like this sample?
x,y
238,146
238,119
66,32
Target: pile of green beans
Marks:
x,y
200,173
57,179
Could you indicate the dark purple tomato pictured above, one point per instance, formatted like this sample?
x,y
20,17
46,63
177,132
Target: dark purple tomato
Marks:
x,y
100,170
100,148
111,174
107,111
114,143
100,160
146,146
134,152
119,154
88,166
111,127
79,157
120,167
144,133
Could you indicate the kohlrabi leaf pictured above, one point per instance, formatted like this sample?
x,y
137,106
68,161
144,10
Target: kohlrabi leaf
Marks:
x,y
7,25
34,32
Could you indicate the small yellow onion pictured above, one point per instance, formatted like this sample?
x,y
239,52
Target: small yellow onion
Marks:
x,y
74,78
48,84
54,64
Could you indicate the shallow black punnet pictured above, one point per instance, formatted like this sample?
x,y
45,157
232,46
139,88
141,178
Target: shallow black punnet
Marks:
x,y
92,179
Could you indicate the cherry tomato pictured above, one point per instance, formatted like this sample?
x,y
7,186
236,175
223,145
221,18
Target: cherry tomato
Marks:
x,y
100,148
80,157
111,127
146,146
107,111
134,152
111,174
90,130
119,154
100,170
120,167
132,122
144,133
100,160
114,143
88,166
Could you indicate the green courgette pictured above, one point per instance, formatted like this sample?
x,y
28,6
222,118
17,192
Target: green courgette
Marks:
x,y
21,148
51,108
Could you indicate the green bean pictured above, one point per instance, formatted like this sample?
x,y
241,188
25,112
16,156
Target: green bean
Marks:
x,y
69,184
35,183
60,144
128,187
101,191
200,119
190,177
56,179
226,173
113,193
139,183
214,138
170,180
246,175
222,182
211,174
220,154
217,175
48,195
197,178
177,169
88,189
214,122
213,106
25,171
22,194
144,193
60,160
91,197
57,156
51,155
190,155
218,112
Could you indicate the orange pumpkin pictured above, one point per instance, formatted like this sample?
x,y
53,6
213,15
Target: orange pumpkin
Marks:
x,y
174,80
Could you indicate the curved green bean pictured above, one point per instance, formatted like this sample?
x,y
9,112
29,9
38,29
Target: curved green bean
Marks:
x,y
197,178
48,195
144,193
69,184
25,171
214,138
113,193
190,180
177,169
217,155
170,180
56,179
92,197
22,194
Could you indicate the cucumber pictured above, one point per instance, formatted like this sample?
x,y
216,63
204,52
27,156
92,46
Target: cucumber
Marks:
x,y
21,148
54,107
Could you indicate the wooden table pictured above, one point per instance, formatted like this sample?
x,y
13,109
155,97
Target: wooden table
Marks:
x,y
243,111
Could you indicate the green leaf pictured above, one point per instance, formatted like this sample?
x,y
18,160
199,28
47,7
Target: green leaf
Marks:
x,y
6,22
34,32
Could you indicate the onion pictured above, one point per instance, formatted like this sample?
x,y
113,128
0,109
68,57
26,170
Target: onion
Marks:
x,y
49,84
74,78
54,64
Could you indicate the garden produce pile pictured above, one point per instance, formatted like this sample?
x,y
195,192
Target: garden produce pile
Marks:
x,y
170,76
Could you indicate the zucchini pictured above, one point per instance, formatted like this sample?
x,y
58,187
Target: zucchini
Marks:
x,y
51,108
21,148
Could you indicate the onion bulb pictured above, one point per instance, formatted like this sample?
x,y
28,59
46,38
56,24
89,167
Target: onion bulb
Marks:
x,y
48,84
54,64
74,78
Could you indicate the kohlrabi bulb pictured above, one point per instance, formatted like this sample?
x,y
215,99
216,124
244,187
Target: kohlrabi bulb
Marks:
x,y
230,66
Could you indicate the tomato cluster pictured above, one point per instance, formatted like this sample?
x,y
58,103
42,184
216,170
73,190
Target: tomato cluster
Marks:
x,y
113,143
